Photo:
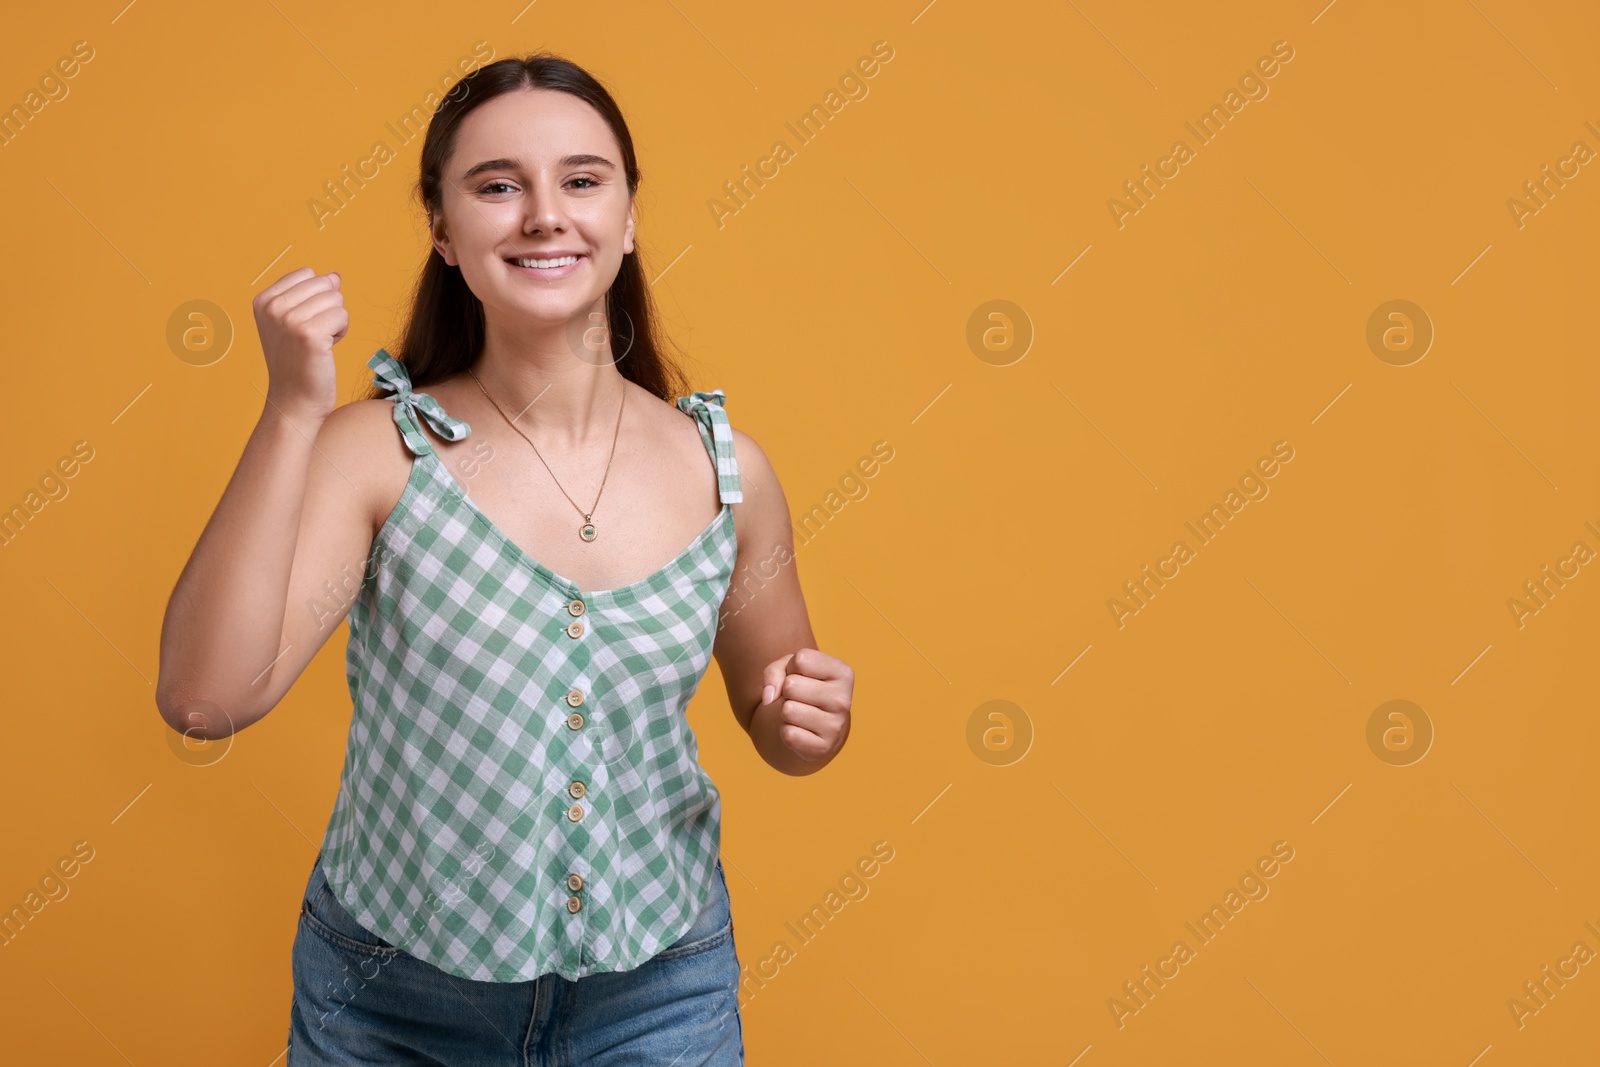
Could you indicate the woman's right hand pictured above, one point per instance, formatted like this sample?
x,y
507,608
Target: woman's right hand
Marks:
x,y
300,317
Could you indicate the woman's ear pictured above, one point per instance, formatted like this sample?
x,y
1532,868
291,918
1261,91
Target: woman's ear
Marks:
x,y
627,232
441,239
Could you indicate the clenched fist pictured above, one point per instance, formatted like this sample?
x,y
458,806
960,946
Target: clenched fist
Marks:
x,y
300,317
815,690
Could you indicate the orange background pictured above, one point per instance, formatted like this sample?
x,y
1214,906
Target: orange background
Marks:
x,y
1229,313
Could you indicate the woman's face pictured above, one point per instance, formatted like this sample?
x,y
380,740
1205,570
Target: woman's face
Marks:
x,y
536,174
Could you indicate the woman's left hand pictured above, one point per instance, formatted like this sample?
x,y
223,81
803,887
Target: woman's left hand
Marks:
x,y
814,689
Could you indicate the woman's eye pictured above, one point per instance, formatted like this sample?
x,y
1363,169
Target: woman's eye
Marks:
x,y
496,187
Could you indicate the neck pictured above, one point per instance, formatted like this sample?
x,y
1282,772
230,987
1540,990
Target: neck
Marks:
x,y
557,389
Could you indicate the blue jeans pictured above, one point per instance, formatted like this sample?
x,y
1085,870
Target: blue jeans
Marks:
x,y
360,1000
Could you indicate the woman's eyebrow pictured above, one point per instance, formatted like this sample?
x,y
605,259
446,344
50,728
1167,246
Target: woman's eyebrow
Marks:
x,y
581,160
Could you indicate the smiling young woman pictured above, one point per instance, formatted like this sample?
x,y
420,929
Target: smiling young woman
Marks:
x,y
522,827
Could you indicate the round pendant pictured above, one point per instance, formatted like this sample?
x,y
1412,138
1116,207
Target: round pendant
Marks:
x,y
587,531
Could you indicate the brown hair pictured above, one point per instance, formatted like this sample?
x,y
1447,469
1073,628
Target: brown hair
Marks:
x,y
444,330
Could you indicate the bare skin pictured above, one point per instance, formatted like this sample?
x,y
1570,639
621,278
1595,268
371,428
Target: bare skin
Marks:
x,y
276,568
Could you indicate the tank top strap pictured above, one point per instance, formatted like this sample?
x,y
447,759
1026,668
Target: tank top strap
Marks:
x,y
717,432
390,374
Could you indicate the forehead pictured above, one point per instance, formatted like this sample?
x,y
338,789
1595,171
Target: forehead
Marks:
x,y
536,126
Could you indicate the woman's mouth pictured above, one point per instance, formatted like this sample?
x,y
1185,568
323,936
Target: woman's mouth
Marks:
x,y
551,268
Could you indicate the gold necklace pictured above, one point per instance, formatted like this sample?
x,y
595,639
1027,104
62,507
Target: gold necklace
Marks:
x,y
587,531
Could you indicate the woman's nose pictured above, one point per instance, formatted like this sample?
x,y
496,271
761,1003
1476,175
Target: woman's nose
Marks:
x,y
542,211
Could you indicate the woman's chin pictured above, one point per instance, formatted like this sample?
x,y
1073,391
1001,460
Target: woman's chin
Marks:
x,y
552,312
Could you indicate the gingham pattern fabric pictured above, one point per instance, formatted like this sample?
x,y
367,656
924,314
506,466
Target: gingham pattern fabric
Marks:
x,y
521,791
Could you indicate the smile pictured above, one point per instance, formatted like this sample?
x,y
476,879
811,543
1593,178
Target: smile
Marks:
x,y
545,264
551,269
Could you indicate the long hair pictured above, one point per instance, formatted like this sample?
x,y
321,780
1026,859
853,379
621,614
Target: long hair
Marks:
x,y
444,331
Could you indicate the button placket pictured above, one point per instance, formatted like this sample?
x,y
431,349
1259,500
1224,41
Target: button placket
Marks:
x,y
575,721
575,696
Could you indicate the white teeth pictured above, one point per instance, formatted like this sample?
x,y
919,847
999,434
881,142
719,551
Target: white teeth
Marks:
x,y
562,262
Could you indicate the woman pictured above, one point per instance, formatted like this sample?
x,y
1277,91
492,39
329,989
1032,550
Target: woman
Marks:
x,y
522,862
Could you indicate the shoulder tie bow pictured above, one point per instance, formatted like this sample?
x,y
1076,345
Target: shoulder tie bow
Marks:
x,y
707,407
391,375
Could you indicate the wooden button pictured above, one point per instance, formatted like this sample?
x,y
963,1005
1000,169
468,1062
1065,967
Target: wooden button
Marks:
x,y
574,882
574,697
575,630
574,903
575,607
575,812
576,789
575,721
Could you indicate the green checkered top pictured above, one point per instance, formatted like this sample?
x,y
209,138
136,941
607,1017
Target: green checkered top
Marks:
x,y
521,790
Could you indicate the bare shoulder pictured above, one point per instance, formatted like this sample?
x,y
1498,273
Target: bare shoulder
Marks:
x,y
361,451
364,433
763,518
754,466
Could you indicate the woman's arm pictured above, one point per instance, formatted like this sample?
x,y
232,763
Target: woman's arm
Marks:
x,y
791,698
235,634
